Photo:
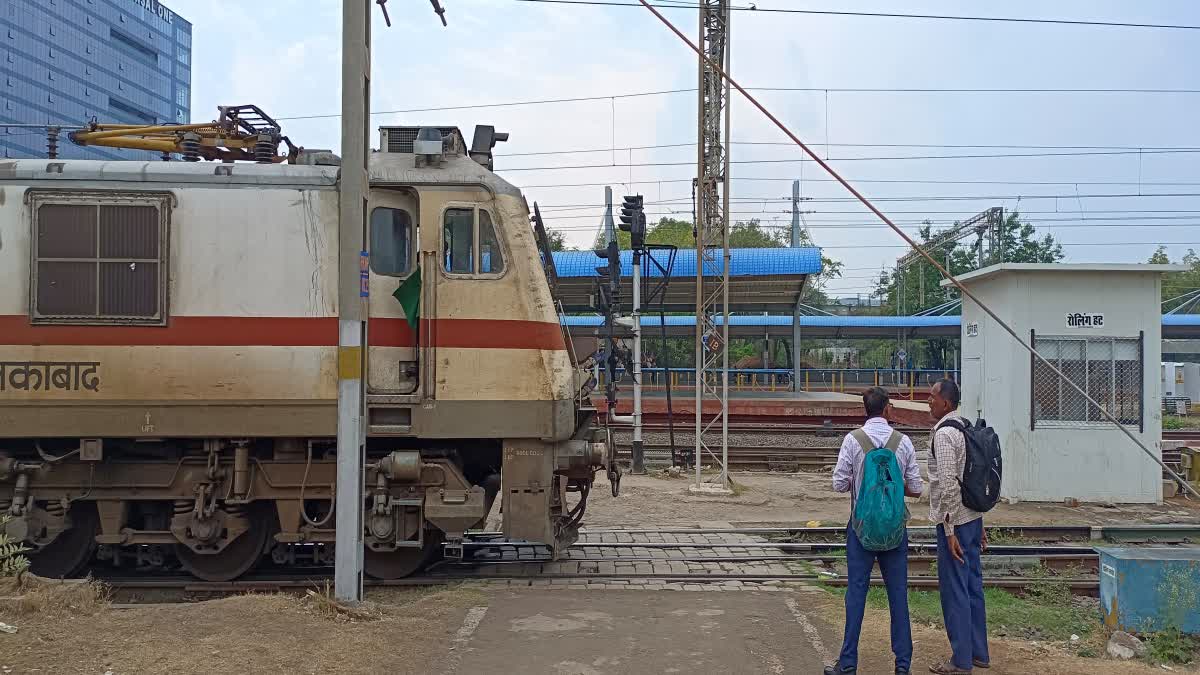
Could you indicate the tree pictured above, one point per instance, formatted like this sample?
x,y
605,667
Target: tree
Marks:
x,y
917,287
558,240
1179,287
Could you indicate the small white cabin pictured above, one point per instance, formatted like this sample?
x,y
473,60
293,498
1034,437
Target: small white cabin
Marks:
x,y
1100,325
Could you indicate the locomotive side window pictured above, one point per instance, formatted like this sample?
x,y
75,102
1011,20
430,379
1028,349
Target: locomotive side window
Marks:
x,y
391,242
459,241
491,260
99,259
469,242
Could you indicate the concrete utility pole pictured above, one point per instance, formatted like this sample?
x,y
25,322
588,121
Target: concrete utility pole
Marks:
x,y
712,235
352,295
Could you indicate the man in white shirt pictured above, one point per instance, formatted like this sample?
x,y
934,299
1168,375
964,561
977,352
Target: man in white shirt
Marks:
x,y
893,564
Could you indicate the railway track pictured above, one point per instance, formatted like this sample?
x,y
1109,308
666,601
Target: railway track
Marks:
x,y
1054,554
1182,435
746,457
758,457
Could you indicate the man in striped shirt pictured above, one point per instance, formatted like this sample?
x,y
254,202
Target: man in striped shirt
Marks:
x,y
960,539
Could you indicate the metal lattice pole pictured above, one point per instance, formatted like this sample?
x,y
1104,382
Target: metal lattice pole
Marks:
x,y
712,236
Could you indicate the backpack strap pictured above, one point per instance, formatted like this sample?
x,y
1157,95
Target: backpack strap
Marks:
x,y
864,441
952,423
893,441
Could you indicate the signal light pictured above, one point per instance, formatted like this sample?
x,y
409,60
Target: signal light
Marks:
x,y
633,220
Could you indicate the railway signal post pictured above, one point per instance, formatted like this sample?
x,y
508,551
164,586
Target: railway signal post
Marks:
x,y
633,221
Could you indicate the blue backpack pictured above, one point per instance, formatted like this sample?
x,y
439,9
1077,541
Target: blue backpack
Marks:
x,y
880,515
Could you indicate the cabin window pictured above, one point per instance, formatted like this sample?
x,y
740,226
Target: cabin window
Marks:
x,y
459,241
99,259
470,244
391,242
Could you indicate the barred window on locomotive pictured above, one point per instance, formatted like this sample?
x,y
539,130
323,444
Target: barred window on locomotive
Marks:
x,y
468,236
100,260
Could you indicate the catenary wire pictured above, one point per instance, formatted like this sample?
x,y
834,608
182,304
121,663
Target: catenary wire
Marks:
x,y
881,15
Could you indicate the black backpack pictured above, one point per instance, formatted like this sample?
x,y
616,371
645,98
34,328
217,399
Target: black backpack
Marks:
x,y
980,481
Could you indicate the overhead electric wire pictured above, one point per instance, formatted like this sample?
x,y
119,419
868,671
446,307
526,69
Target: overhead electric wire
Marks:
x,y
998,198
754,8
966,293
666,146
884,181
831,90
616,165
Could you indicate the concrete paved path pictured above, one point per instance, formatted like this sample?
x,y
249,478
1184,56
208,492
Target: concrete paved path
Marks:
x,y
564,632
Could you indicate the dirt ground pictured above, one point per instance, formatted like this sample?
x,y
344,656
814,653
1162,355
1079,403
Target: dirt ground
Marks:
x,y
473,630
1009,657
243,634
796,499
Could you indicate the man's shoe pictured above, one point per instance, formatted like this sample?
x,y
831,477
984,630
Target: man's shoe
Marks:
x,y
947,668
981,664
835,670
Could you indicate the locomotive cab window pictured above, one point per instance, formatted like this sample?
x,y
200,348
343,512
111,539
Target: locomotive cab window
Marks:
x,y
391,242
469,243
99,258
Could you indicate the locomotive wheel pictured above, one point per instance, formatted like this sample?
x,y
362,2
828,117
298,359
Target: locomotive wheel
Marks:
x,y
240,556
72,550
403,562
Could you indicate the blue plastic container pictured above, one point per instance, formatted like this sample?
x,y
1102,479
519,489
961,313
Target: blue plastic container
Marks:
x,y
1145,589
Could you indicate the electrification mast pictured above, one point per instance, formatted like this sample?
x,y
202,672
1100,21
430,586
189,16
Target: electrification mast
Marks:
x,y
712,241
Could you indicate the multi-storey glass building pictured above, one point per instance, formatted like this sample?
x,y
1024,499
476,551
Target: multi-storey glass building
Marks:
x,y
69,61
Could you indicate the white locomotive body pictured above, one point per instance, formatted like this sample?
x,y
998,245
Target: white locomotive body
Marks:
x,y
169,362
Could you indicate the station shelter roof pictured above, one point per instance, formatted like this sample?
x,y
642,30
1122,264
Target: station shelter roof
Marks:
x,y
760,279
1174,326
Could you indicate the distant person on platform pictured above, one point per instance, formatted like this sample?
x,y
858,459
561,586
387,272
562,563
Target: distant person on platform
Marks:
x,y
960,539
861,477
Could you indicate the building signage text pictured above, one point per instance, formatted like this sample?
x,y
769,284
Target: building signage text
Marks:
x,y
1085,320
155,7
973,329
49,376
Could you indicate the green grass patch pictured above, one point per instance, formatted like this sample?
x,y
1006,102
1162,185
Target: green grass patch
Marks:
x,y
1175,422
1000,536
1045,613
1172,646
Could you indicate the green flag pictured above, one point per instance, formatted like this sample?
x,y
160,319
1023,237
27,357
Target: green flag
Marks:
x,y
409,296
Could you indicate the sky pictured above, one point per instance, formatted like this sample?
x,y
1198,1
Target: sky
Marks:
x,y
285,57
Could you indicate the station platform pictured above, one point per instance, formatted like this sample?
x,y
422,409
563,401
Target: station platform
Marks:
x,y
760,407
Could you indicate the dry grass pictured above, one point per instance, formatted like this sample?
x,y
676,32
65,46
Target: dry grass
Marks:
x,y
321,601
29,594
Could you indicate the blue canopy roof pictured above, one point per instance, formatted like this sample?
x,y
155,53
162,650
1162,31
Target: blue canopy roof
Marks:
x,y
1174,326
753,320
743,262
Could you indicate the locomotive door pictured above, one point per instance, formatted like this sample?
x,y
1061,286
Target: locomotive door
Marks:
x,y
393,357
